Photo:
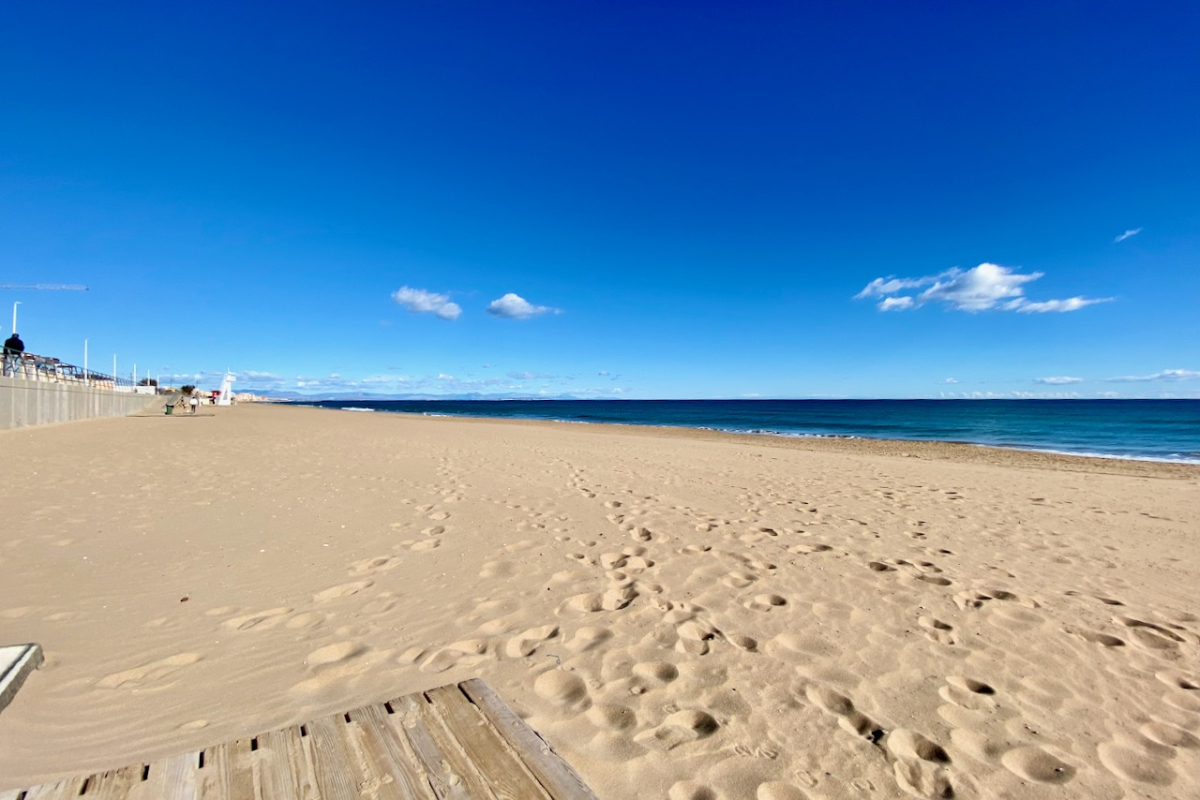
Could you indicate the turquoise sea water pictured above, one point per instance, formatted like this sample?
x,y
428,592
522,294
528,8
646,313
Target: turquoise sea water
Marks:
x,y
1164,430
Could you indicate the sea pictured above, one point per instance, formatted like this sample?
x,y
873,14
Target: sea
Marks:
x,y
1155,430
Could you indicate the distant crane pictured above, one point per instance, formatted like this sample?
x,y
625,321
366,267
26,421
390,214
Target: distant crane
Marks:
x,y
53,287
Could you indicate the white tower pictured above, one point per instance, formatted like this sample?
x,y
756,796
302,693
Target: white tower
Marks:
x,y
225,396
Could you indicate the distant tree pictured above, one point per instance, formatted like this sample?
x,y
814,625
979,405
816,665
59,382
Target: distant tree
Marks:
x,y
187,389
148,382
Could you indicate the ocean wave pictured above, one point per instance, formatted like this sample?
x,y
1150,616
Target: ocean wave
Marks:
x,y
355,408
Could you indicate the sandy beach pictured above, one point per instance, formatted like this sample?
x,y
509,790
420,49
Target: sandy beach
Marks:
x,y
682,615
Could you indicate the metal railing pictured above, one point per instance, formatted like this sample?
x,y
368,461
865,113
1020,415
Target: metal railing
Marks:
x,y
33,367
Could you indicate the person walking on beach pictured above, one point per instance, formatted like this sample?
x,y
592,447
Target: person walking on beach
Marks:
x,y
14,350
195,401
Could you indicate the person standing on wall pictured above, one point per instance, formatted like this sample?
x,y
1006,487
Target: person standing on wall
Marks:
x,y
14,350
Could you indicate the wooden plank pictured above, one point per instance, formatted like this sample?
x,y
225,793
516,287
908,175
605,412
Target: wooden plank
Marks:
x,y
484,747
171,778
332,761
555,774
452,743
391,750
447,770
286,768
70,787
16,662
227,772
116,784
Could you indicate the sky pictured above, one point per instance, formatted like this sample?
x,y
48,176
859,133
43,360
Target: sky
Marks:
x,y
608,199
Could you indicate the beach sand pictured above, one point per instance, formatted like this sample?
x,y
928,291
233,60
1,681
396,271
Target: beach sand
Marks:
x,y
681,614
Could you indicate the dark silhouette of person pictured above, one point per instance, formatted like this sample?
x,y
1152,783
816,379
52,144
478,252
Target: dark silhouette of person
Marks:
x,y
13,350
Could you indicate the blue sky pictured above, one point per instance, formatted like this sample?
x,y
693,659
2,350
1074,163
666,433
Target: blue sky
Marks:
x,y
607,199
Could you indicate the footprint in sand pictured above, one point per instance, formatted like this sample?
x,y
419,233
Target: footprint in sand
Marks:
x,y
306,619
334,654
148,673
261,620
428,544
968,693
808,549
563,689
739,580
434,530
588,638
498,569
1035,764
524,644
469,652
936,630
1095,637
766,602
850,719
612,600
370,566
439,516
342,590
678,728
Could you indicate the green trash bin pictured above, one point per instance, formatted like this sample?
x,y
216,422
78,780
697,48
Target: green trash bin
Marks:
x,y
170,409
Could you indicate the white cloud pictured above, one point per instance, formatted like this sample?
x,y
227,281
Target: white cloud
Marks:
x,y
1057,381
982,288
420,301
528,376
895,303
1127,234
513,306
885,286
950,380
1165,375
1070,304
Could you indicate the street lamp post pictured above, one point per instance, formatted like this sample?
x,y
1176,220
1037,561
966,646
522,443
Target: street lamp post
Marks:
x,y
15,315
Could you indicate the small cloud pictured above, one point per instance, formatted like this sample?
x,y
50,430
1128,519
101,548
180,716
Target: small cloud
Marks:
x,y
1165,375
895,303
444,377
513,306
528,376
1127,234
1070,304
419,301
983,288
1057,381
950,380
603,373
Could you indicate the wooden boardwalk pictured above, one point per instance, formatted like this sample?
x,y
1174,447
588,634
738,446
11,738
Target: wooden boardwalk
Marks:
x,y
456,741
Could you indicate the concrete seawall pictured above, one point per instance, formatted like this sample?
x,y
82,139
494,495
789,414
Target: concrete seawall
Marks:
x,y
25,403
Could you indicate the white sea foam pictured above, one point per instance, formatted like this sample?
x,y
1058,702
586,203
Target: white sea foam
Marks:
x,y
355,408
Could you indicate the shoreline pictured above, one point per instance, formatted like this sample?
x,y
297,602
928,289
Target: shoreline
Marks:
x,y
969,452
